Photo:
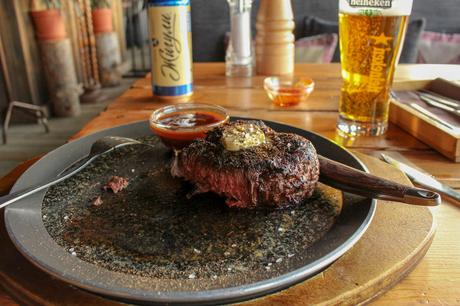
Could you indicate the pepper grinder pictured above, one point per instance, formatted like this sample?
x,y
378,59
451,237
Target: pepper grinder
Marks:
x,y
238,59
275,38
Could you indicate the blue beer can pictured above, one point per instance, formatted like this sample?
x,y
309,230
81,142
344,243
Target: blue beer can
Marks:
x,y
171,48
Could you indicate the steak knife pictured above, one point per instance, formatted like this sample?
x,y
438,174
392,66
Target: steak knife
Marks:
x,y
423,179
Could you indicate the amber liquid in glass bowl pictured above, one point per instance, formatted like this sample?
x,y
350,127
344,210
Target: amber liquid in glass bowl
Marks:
x,y
288,91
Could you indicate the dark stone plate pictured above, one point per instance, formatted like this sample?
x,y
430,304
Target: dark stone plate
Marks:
x,y
153,243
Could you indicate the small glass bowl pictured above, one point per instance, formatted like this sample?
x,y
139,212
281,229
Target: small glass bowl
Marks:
x,y
288,90
178,125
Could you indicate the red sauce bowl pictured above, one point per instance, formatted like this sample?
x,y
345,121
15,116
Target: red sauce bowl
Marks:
x,y
288,90
178,125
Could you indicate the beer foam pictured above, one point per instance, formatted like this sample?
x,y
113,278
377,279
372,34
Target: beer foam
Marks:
x,y
376,7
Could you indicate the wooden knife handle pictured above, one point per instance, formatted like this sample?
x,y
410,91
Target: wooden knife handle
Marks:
x,y
348,179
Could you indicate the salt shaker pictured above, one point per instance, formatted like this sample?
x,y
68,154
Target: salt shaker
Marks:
x,y
275,38
239,59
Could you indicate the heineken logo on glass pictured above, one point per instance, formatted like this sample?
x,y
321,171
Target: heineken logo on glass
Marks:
x,y
376,7
378,68
371,3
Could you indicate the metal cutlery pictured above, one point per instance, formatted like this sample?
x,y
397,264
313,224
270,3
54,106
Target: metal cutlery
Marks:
x,y
434,117
348,179
422,179
100,147
439,98
435,103
332,173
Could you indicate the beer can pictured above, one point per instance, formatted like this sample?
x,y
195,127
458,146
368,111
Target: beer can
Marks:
x,y
171,48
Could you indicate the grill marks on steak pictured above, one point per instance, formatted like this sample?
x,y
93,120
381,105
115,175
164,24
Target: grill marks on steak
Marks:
x,y
279,173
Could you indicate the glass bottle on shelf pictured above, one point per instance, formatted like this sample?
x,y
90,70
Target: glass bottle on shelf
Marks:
x,y
239,56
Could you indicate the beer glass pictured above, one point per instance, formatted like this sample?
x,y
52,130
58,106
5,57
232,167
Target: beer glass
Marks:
x,y
371,37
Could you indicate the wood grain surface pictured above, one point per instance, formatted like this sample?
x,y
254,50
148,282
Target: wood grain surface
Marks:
x,y
442,139
434,281
396,240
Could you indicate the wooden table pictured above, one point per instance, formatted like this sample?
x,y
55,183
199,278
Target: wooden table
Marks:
x,y
437,278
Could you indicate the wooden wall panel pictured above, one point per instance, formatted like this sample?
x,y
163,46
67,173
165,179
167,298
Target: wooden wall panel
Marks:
x,y
3,98
22,59
14,57
119,25
69,12
31,53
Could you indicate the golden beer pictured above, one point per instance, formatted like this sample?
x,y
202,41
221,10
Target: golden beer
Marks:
x,y
370,44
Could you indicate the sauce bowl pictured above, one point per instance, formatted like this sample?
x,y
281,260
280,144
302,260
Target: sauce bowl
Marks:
x,y
178,125
288,90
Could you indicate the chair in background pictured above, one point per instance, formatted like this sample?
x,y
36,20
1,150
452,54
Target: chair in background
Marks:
x,y
35,110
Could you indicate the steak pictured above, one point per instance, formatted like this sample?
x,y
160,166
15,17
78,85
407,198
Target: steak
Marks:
x,y
280,172
116,184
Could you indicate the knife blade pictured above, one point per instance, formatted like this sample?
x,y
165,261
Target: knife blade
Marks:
x,y
441,99
436,104
434,117
422,179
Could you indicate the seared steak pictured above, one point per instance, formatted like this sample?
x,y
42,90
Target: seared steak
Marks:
x,y
280,172
116,184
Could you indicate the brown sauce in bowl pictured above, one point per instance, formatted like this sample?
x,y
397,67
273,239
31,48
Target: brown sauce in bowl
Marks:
x,y
179,129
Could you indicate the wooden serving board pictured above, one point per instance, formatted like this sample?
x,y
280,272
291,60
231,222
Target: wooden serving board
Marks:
x,y
398,237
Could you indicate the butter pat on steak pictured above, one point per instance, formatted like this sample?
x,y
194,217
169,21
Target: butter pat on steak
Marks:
x,y
253,170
